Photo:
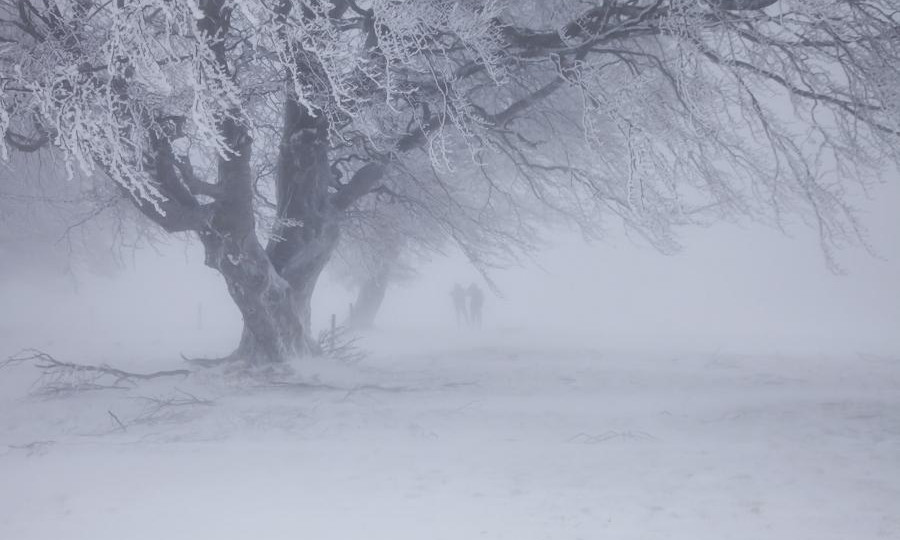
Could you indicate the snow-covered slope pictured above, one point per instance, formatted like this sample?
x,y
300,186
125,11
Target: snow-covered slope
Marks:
x,y
466,438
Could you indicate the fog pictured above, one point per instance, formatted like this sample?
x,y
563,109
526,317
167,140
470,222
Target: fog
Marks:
x,y
446,270
744,288
611,389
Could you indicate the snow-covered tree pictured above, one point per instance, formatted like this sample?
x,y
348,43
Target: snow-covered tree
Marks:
x,y
657,112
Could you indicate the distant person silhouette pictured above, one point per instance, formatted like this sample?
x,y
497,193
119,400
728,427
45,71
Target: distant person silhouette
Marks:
x,y
476,302
459,302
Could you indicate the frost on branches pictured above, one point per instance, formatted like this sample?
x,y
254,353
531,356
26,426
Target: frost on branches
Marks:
x,y
265,126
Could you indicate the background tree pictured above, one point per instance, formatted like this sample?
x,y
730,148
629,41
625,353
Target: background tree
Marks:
x,y
368,263
419,213
657,112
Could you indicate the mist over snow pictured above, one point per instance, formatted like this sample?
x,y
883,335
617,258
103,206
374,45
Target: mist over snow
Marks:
x,y
736,389
447,270
733,288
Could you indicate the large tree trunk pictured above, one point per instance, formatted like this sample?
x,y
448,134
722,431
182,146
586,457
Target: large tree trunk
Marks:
x,y
273,286
275,330
276,305
292,298
276,335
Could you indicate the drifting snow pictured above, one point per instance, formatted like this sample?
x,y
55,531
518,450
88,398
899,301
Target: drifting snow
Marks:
x,y
486,439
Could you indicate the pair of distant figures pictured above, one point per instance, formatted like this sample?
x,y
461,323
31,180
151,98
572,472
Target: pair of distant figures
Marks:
x,y
468,303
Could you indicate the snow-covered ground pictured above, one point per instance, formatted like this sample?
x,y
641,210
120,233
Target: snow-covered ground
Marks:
x,y
463,437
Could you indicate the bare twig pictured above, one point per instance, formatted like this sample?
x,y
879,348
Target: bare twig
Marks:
x,y
341,344
116,419
159,408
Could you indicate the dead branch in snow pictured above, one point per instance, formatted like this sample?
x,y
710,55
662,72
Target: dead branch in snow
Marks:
x,y
170,408
160,408
58,377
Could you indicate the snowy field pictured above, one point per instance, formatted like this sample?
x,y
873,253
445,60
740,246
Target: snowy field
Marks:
x,y
466,437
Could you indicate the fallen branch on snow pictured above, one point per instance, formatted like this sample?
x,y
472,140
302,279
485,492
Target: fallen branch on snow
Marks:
x,y
160,408
59,377
167,408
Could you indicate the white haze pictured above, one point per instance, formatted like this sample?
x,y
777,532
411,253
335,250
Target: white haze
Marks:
x,y
744,288
736,390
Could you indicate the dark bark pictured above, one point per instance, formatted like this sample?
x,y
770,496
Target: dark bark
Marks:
x,y
277,314
273,287
274,329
